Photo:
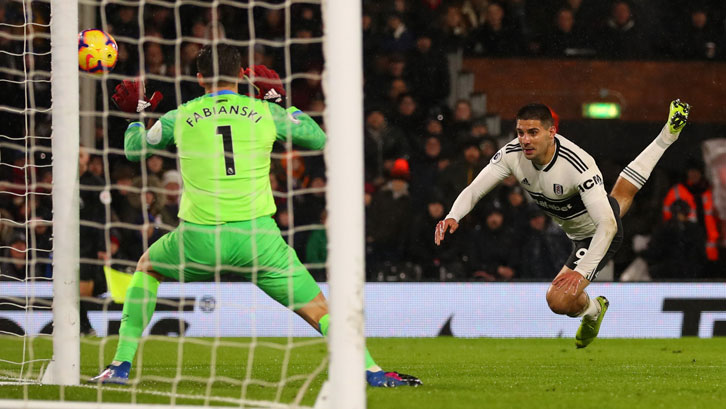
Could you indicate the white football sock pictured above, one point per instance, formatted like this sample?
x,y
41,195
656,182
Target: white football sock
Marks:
x,y
592,310
638,171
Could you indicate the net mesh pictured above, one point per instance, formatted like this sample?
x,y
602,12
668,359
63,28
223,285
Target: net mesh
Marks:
x,y
218,342
25,184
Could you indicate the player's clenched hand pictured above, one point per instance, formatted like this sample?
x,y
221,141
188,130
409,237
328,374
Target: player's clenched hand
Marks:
x,y
568,281
267,82
449,224
130,96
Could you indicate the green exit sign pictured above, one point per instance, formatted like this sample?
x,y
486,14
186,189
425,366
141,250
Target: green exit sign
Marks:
x,y
601,110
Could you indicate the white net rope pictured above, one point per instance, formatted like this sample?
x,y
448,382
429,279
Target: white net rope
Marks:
x,y
222,341
25,186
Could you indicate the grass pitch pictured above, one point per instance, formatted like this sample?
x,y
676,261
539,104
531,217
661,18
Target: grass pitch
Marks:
x,y
457,373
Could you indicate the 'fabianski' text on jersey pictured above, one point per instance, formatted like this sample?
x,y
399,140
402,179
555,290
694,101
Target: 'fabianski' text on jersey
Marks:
x,y
569,189
223,142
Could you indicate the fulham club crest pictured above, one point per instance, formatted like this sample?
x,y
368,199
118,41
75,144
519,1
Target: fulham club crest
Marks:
x,y
559,190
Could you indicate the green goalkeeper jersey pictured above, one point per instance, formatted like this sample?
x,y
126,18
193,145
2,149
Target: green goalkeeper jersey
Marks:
x,y
223,143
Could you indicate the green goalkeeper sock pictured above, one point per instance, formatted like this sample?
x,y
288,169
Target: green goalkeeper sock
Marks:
x,y
138,309
370,363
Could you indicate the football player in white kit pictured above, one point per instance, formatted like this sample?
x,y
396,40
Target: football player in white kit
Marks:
x,y
565,183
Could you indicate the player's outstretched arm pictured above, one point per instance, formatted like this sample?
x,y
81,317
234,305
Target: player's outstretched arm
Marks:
x,y
303,129
139,142
130,97
442,227
305,132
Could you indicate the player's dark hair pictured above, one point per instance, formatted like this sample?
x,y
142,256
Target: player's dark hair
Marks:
x,y
540,112
229,62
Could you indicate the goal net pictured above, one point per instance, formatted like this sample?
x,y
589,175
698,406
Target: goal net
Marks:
x,y
76,215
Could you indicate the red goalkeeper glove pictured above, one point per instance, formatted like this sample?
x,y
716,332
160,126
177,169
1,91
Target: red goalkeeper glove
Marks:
x,y
130,96
267,82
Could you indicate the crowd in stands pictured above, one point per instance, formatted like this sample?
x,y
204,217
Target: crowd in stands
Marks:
x,y
419,152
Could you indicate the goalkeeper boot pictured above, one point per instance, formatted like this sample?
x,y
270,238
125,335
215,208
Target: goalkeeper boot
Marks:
x,y
677,118
118,374
590,327
391,379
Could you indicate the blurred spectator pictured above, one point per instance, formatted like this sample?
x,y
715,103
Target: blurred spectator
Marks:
x,y
92,204
382,143
696,192
443,262
516,211
390,220
371,43
434,126
428,73
155,166
190,89
278,191
305,90
565,39
124,21
409,119
455,30
316,248
700,40
148,205
309,52
161,19
171,182
188,53
270,24
622,36
309,206
460,127
295,238
397,37
589,16
498,37
14,269
117,258
475,12
676,247
154,59
7,228
462,171
396,68
41,245
95,166
294,175
425,14
155,66
545,247
492,249
122,178
426,170
487,145
396,88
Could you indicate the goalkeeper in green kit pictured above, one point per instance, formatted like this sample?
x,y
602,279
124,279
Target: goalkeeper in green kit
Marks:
x,y
223,141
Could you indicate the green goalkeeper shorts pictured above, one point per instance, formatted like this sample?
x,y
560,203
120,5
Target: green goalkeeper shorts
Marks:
x,y
253,249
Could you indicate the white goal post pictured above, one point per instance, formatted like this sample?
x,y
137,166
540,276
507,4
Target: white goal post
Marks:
x,y
343,80
65,367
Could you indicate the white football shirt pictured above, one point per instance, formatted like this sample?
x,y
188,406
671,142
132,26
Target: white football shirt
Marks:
x,y
569,189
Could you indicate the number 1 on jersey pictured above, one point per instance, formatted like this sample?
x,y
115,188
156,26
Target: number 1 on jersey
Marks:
x,y
226,132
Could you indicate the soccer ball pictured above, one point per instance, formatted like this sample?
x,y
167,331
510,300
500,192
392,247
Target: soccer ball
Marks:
x,y
97,51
